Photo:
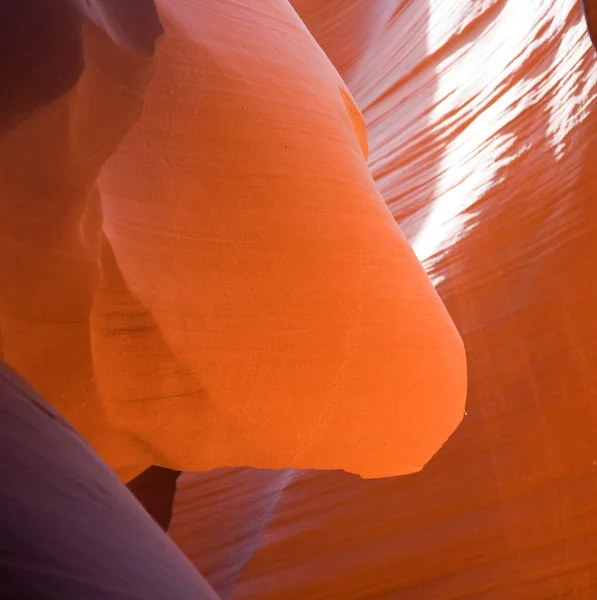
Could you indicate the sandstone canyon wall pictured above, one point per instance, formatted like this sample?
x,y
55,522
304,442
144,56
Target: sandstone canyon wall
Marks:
x,y
198,270
482,130
207,269
69,528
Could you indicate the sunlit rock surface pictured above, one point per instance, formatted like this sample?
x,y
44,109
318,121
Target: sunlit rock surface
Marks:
x,y
211,279
197,267
482,126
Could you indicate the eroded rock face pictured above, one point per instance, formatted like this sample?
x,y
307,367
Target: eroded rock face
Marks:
x,y
69,528
199,251
236,288
51,152
482,140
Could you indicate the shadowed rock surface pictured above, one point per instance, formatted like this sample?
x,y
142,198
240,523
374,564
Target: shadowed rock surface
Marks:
x,y
69,528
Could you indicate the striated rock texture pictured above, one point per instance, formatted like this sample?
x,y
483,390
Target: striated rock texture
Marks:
x,y
204,262
197,268
54,140
482,140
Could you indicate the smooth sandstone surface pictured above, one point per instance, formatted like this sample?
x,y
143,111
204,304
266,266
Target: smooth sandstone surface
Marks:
x,y
291,324
198,270
69,528
70,93
482,139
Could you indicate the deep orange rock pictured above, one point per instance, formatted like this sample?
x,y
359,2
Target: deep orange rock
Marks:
x,y
292,325
482,138
481,141
217,282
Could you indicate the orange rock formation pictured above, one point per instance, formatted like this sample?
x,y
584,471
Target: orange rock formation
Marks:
x,y
199,271
482,138
229,288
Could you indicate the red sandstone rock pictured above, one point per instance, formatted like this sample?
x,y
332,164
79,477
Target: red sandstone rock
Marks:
x,y
481,127
217,282
482,139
